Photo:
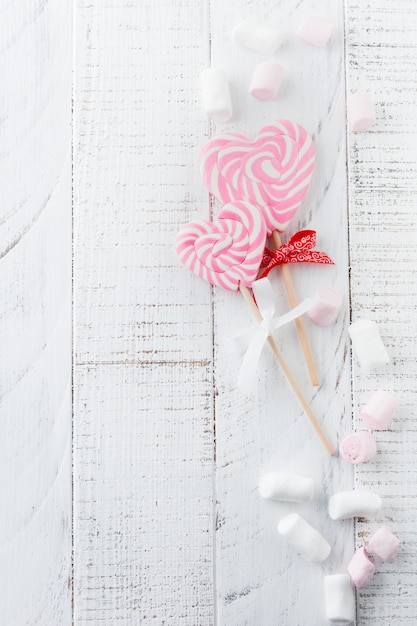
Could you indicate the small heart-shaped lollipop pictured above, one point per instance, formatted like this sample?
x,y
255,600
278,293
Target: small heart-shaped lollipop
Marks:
x,y
272,172
227,251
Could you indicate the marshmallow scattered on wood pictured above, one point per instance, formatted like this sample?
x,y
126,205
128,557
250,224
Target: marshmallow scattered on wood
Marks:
x,y
384,544
324,311
354,503
361,569
340,599
256,37
358,447
379,410
217,102
361,111
266,79
367,344
288,487
316,31
304,538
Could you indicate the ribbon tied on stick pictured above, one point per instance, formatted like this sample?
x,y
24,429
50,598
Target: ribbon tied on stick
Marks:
x,y
298,249
256,338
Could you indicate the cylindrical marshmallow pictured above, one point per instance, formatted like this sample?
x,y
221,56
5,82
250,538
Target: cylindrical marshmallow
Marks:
x,y
288,487
326,307
379,410
266,79
384,544
354,503
217,102
340,599
361,569
304,538
361,111
367,344
358,447
316,31
256,37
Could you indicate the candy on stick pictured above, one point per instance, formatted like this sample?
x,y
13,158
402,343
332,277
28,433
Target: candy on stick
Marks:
x,y
227,252
273,173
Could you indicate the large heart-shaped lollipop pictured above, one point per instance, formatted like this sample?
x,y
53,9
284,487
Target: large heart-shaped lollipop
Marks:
x,y
226,251
273,172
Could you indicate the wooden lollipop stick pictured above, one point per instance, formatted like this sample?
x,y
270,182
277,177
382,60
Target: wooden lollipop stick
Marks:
x,y
288,373
299,322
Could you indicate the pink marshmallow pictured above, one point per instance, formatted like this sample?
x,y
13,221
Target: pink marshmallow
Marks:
x,y
326,307
361,111
316,31
266,79
384,544
358,447
361,569
379,410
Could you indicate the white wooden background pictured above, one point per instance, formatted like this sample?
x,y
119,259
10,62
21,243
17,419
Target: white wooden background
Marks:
x,y
157,520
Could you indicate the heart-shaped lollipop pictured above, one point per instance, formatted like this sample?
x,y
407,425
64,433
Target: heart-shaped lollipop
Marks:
x,y
273,172
227,251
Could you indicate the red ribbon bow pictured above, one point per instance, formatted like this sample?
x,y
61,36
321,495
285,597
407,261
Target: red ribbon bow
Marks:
x,y
298,249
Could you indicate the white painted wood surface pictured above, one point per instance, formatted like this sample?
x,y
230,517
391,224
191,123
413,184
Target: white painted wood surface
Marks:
x,y
35,312
167,524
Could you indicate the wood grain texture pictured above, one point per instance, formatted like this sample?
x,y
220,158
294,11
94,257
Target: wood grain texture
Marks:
x,y
381,58
143,446
168,525
35,313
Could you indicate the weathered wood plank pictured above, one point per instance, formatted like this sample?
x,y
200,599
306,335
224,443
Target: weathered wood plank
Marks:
x,y
35,313
381,57
143,447
259,580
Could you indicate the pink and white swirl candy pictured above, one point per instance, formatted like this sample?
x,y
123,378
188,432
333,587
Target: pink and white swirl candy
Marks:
x,y
226,251
273,172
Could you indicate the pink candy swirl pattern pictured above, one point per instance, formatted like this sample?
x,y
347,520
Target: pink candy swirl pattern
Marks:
x,y
272,173
226,251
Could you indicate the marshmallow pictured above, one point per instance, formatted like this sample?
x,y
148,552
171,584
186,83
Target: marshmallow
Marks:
x,y
304,538
379,410
288,487
266,79
354,503
340,599
256,37
217,102
361,569
324,311
361,111
316,31
367,344
358,447
384,544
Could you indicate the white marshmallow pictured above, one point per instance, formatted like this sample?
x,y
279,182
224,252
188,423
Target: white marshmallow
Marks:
x,y
217,102
354,503
367,344
304,538
361,111
288,487
340,599
256,37
266,79
316,31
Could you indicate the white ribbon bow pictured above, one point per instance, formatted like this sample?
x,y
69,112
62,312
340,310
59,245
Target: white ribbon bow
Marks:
x,y
256,337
